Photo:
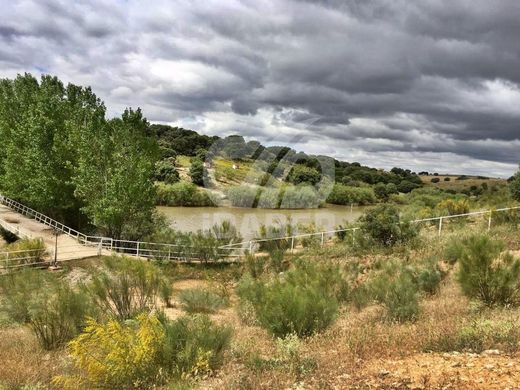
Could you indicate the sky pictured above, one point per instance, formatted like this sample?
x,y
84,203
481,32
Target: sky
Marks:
x,y
426,85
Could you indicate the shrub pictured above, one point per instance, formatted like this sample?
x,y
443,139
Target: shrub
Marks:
x,y
346,195
17,291
117,355
197,172
145,352
274,236
165,171
201,300
435,180
54,311
182,194
125,287
58,314
488,275
454,250
304,301
299,197
303,174
194,345
243,196
397,291
454,207
384,225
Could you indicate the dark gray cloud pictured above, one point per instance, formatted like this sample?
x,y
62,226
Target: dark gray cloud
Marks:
x,y
422,84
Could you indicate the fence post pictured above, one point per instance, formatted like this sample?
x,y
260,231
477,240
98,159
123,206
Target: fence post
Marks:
x,y
353,236
440,226
138,249
251,247
322,238
292,244
100,246
489,220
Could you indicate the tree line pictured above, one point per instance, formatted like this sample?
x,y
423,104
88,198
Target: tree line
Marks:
x,y
61,155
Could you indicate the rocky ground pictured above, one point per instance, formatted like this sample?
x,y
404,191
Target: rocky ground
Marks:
x,y
489,370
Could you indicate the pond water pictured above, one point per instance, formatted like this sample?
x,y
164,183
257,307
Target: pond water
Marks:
x,y
248,221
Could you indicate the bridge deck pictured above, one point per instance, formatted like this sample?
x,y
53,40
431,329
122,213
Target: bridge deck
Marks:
x,y
68,247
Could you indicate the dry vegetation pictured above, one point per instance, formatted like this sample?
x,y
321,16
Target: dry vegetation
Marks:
x,y
454,343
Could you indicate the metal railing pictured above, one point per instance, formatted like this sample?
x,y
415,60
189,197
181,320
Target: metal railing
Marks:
x,y
167,251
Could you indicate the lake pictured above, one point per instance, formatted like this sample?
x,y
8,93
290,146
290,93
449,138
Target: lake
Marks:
x,y
248,221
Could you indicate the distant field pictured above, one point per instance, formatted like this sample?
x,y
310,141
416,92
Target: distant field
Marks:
x,y
455,184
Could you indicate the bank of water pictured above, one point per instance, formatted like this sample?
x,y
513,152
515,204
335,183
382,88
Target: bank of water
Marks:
x,y
248,221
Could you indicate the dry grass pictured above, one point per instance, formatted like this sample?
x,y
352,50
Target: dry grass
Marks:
x,y
360,350
23,362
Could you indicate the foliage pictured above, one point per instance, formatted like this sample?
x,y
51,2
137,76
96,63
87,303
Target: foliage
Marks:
x,y
144,353
58,314
17,290
274,236
182,194
115,176
514,187
194,345
384,225
396,290
304,301
201,300
299,197
125,287
454,206
40,127
197,172
488,274
117,355
54,311
166,171
302,174
345,195
181,141
243,196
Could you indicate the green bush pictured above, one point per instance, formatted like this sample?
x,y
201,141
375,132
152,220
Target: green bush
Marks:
x,y
398,292
125,287
303,301
346,195
299,197
487,274
145,353
194,345
18,289
243,196
384,225
202,300
454,250
182,194
53,310
58,314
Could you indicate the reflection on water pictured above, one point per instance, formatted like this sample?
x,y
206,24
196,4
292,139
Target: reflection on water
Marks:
x,y
248,221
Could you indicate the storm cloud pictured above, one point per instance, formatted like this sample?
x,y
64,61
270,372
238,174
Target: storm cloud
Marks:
x,y
426,85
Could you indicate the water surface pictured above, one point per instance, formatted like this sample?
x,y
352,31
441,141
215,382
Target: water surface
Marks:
x,y
248,221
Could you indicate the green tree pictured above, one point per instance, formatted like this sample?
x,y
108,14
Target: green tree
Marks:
x,y
115,176
197,172
40,123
